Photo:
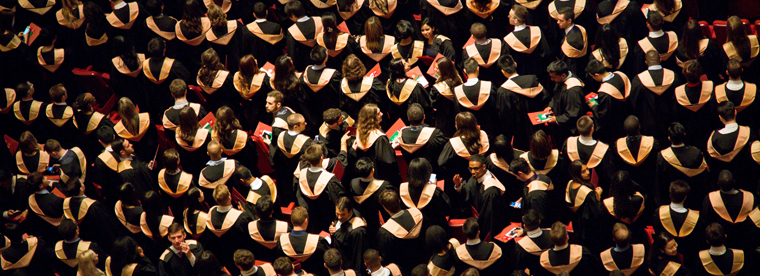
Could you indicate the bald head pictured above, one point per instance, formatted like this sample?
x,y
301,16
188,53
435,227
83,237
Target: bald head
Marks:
x,y
652,58
296,122
214,150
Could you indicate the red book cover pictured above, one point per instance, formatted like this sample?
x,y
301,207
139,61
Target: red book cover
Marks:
x,y
539,117
208,119
374,72
431,71
394,128
236,196
263,129
343,28
34,32
469,42
269,68
416,74
503,237
591,96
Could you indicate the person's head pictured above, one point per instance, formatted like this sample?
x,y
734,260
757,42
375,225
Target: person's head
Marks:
x,y
372,259
58,93
217,16
579,172
715,234
24,90
373,30
420,270
318,55
734,69
122,147
437,239
678,191
296,122
222,195
726,112
192,11
344,209
478,31
128,195
654,21
692,70
664,243
260,10
129,115
507,64
631,125
477,165
427,28
596,70
283,266
208,264
313,155
466,123
419,172
84,103
652,58
68,229
176,234
294,10
125,250
300,217
365,168
170,160
274,101
390,201
6,20
540,145
565,18
502,147
397,68
53,147
518,15
415,114
47,37
471,272
370,117
37,182
151,203
157,47
471,67
726,181
353,68
265,206
530,220
28,143
585,126
521,168
404,30
471,228
558,71
558,234
154,7
676,133
243,258
333,117
620,235
735,30
248,66
447,72
607,41
178,88
86,263
333,260
195,200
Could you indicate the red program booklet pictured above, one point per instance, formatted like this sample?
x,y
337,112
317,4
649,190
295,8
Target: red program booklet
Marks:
x,y
374,72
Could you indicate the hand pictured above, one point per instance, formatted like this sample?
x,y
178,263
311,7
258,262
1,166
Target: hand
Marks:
x,y
598,191
151,165
519,232
548,109
240,206
344,139
519,200
267,141
457,181
552,120
184,248
56,166
591,103
140,251
332,228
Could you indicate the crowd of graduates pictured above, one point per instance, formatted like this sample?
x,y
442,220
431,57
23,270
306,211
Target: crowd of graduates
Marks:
x,y
377,138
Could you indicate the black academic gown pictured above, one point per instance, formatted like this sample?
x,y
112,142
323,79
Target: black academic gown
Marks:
x,y
142,266
192,156
486,257
137,173
106,175
491,16
73,164
214,175
145,141
14,51
733,216
583,203
220,91
173,187
575,259
421,142
625,17
638,156
480,99
285,155
45,214
729,151
485,200
227,232
366,195
499,167
635,224
517,97
60,125
321,88
170,120
56,66
400,237
528,251
710,57
300,38
126,81
266,233
239,146
231,42
625,61
343,46
400,96
160,72
684,163
733,262
379,150
318,192
539,195
306,248
27,116
665,45
252,98
630,260
40,256
194,43
454,160
746,58
66,252
530,50
486,55
445,107
163,26
696,110
351,239
267,43
173,264
568,104
684,227
597,157
354,16
743,100
651,98
612,108
445,16
90,123
430,200
92,218
356,94
574,48
371,58
659,265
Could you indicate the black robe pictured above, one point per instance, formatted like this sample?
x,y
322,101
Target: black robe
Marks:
x,y
137,173
604,168
652,97
528,250
585,215
321,89
355,95
160,72
691,167
60,125
446,16
731,151
665,45
39,264
44,224
687,234
93,221
400,96
485,200
611,110
293,245
400,237
453,161
285,157
106,175
413,144
636,224
192,156
66,252
145,142
382,155
492,17
638,156
430,200
538,193
318,192
710,57
696,110
266,233
267,44
743,100
299,47
231,42
517,97
252,99
163,27
239,145
366,195
173,188
90,123
126,81
724,263
486,55
224,173
499,167
733,218
486,257
220,91
574,49
445,107
27,116
530,51
568,104
481,100
587,265
227,232
171,264
631,259
625,17
351,239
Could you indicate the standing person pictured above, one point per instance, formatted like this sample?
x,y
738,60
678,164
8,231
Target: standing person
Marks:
x,y
533,243
741,93
422,193
400,236
357,89
228,226
219,171
527,43
567,103
285,153
583,200
301,35
366,191
371,142
613,50
181,256
445,104
403,92
595,154
486,51
407,48
681,162
350,234
229,38
25,256
301,246
695,45
436,43
153,69
625,204
624,256
89,214
741,46
636,154
475,96
490,13
484,256
137,128
719,259
446,17
339,44
419,140
538,192
664,42
670,11
694,107
266,230
610,107
252,84
727,146
91,121
679,223
653,93
469,140
267,43
126,67
190,138
191,30
73,163
318,190
574,44
517,96
170,120
46,209
174,183
375,45
246,262
320,84
86,264
127,256
162,25
215,81
482,193
442,260
235,143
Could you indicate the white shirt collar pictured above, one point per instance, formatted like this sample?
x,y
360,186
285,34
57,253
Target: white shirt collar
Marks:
x,y
109,149
609,76
678,208
180,104
535,233
44,191
735,84
656,34
223,209
60,104
485,177
252,271
729,128
217,162
558,248
256,184
471,82
303,19
678,146
567,30
260,20
618,249
520,28
717,250
316,169
120,5
513,76
381,272
654,67
317,67
126,159
292,132
473,241
368,179
569,74
588,141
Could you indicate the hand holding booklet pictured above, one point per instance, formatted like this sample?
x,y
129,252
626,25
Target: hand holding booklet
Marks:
x,y
540,117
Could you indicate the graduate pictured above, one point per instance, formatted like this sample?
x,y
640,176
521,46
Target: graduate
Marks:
x,y
267,43
567,103
537,191
399,237
371,142
436,44
191,30
215,81
469,140
171,117
133,260
695,45
637,154
533,243
572,259
670,11
320,85
518,96
684,162
595,154
91,121
285,153
339,44
318,190
334,126
612,50
301,246
228,37
235,143
126,70
475,96
128,208
157,69
490,13
527,44
482,193
279,112
366,191
730,207
403,91
418,140
301,35
626,257
543,159
356,88
253,188
626,204
583,199
30,157
56,63
60,122
442,260
161,25
739,92
180,257
406,47
422,193
652,96
665,256
73,163
218,171
621,16
695,107
106,164
28,256
682,224
46,209
246,262
445,17
89,214
741,46
720,259
350,234
191,137
155,220
132,170
26,110
136,127
173,183
227,227
445,104
253,85
486,51
68,249
664,42
266,230
124,16
486,257
610,106
375,46
727,146
498,164
574,45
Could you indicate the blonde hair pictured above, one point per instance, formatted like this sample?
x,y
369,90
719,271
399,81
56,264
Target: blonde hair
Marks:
x,y
367,122
86,261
